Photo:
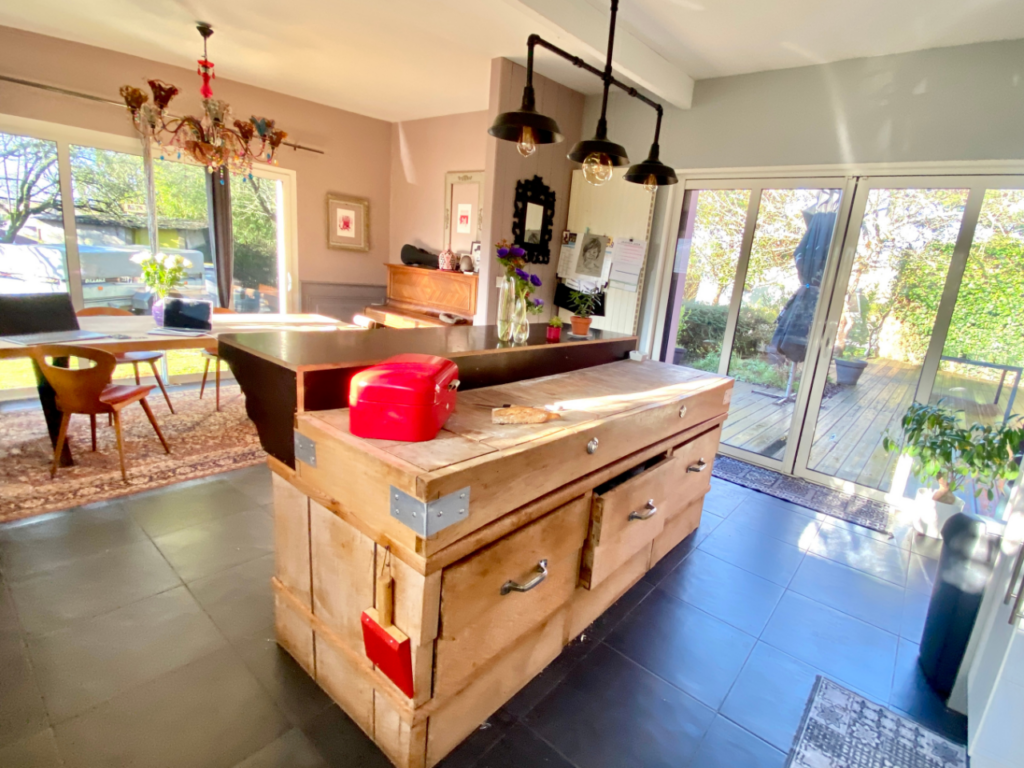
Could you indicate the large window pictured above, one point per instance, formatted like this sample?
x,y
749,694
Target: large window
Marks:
x,y
84,248
31,218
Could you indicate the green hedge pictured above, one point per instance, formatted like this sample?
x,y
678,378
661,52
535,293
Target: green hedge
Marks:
x,y
702,328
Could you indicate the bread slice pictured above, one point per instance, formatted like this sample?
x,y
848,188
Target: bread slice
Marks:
x,y
521,414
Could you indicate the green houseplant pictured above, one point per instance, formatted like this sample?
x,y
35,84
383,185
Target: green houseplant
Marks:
x,y
946,455
583,305
162,273
554,332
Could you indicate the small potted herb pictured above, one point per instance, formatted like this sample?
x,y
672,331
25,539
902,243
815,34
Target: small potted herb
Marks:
x,y
555,329
946,455
583,305
849,366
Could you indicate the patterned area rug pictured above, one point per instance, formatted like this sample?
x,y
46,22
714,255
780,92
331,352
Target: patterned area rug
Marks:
x,y
855,509
203,442
843,730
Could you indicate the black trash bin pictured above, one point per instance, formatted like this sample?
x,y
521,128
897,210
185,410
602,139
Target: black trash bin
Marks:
x,y
965,566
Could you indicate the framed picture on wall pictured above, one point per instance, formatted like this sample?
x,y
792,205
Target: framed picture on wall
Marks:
x,y
348,222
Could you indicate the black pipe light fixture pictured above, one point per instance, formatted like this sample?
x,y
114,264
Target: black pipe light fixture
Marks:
x,y
598,155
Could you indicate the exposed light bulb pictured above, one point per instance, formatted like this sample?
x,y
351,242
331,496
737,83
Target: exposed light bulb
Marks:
x,y
597,168
526,145
651,183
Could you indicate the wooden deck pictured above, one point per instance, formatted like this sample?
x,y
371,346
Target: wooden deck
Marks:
x,y
852,422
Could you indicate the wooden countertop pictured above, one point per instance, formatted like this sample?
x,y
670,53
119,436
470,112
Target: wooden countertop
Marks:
x,y
299,351
620,408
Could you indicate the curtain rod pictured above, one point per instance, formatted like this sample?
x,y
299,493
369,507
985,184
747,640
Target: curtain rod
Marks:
x,y
102,100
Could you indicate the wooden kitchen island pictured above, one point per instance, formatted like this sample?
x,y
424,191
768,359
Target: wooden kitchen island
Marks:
x,y
504,541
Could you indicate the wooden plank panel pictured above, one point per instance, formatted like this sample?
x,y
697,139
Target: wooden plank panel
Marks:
x,y
500,682
294,634
588,604
343,568
345,683
403,742
676,529
291,538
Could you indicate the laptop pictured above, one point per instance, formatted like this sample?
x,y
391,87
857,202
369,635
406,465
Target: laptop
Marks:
x,y
41,318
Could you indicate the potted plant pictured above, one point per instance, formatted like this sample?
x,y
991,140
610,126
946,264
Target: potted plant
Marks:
x,y
583,305
161,273
947,455
849,366
555,329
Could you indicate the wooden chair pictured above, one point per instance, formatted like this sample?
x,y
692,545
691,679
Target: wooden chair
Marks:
x,y
213,356
133,358
90,391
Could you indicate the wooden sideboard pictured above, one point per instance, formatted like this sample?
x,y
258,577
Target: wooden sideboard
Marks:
x,y
504,541
417,295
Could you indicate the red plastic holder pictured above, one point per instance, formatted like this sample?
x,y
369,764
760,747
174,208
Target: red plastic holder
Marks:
x,y
406,397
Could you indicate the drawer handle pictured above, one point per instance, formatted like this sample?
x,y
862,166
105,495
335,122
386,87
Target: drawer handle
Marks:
x,y
682,412
542,573
592,446
647,513
700,466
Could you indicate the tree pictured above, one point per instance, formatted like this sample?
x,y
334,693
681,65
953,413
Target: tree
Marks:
x,y
29,182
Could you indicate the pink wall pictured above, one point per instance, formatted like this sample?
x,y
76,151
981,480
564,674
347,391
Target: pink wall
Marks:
x,y
422,152
358,148
505,166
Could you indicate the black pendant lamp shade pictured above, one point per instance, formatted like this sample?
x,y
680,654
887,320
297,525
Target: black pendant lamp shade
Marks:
x,y
652,171
509,125
583,149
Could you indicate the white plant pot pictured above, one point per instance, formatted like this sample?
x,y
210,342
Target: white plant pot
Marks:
x,y
931,514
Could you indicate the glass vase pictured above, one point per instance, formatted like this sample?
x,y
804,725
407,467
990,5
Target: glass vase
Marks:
x,y
506,307
520,321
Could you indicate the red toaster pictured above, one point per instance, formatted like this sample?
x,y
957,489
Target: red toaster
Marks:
x,y
406,397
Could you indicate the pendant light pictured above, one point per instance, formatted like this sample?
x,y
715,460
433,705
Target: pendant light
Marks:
x,y
526,126
652,173
598,155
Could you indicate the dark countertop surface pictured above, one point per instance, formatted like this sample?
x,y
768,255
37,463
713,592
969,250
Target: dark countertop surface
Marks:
x,y
306,350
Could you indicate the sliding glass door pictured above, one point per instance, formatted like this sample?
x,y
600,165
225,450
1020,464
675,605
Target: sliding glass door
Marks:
x,y
835,303
750,262
927,308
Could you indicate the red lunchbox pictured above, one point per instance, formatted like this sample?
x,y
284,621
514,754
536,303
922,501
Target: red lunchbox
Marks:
x,y
406,397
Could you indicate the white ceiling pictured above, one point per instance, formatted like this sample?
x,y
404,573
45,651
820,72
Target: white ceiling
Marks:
x,y
406,59
714,38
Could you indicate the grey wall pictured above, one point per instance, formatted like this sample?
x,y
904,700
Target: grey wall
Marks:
x,y
962,103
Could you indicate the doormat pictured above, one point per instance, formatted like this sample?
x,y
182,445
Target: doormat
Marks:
x,y
840,728
854,509
203,442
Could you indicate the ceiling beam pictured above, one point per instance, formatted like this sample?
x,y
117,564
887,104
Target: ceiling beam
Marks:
x,y
583,29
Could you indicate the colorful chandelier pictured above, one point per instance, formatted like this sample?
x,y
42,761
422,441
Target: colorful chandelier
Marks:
x,y
214,139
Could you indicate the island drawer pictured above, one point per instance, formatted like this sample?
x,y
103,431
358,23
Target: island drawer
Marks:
x,y
627,515
493,597
696,459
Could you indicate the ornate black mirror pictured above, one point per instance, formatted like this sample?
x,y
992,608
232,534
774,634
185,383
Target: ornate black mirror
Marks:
x,y
532,219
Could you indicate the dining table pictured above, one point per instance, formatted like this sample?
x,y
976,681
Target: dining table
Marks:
x,y
140,333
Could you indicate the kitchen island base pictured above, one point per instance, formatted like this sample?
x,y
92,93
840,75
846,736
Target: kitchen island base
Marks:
x,y
558,522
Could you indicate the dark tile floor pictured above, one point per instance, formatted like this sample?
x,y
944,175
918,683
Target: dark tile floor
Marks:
x,y
140,633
